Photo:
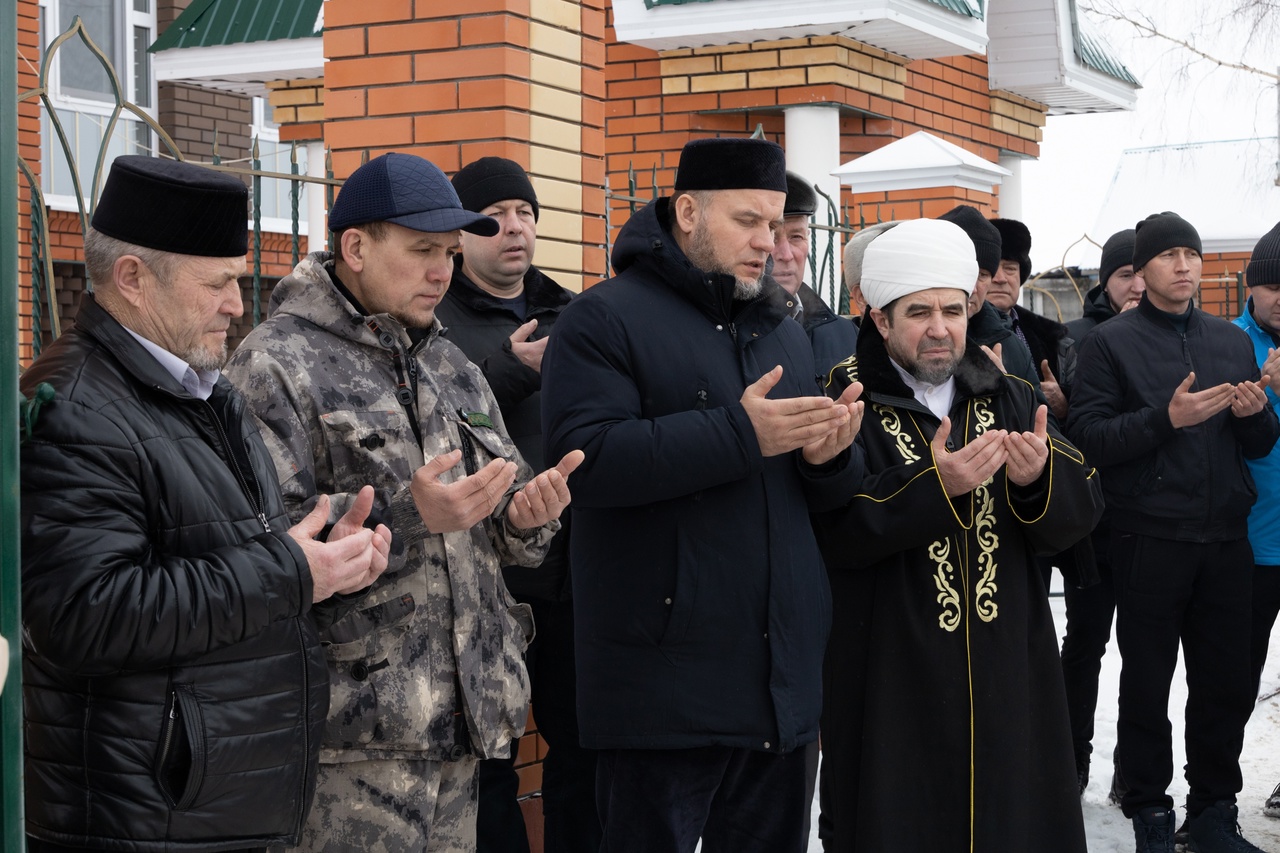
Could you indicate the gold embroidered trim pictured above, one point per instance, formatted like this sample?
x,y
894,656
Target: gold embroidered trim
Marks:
x,y
984,526
893,426
940,553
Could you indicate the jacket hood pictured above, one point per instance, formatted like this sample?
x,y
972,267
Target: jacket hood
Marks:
x,y
308,293
646,244
1097,305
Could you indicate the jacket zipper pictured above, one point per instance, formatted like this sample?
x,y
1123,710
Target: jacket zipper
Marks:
x,y
258,503
1204,439
306,732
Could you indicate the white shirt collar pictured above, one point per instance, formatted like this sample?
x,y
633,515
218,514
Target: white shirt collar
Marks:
x,y
935,398
199,383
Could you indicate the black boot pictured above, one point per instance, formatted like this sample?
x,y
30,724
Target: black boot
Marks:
x,y
1272,807
1119,787
1215,830
1153,829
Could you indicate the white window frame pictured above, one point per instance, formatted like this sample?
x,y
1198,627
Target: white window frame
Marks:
x,y
265,130
126,19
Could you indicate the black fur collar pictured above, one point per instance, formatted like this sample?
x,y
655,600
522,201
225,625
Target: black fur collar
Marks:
x,y
976,375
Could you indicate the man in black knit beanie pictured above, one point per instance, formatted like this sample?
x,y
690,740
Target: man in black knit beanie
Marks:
x,y
1173,405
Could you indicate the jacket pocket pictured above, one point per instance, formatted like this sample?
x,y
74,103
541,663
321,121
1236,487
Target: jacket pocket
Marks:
x,y
182,758
375,443
481,442
370,638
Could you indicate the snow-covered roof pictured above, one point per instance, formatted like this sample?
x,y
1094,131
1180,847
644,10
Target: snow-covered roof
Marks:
x,y
920,161
1226,189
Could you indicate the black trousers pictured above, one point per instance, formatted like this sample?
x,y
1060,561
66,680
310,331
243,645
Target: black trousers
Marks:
x,y
736,800
1089,613
1266,604
1198,594
570,822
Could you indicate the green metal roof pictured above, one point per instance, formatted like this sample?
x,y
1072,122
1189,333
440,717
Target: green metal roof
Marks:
x,y
968,8
1096,54
218,23
961,7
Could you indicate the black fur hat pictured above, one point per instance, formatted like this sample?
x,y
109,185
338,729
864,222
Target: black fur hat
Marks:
x,y
1015,244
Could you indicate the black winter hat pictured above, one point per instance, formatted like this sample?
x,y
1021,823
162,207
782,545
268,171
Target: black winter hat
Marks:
x,y
1264,265
1116,252
174,207
732,163
985,236
1015,244
407,190
801,199
493,179
1162,231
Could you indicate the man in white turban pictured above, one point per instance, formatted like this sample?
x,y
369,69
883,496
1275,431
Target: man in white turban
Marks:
x,y
944,719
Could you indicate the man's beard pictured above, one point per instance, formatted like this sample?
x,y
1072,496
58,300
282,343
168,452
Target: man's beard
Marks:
x,y
933,373
202,358
701,252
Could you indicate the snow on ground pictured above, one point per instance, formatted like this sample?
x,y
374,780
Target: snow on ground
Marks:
x,y
1108,830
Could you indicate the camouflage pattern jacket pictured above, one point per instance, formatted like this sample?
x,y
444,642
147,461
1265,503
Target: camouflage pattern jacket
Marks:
x,y
430,664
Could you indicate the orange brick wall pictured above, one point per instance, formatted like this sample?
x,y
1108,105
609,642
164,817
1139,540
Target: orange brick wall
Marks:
x,y
29,150
1221,292
455,80
657,101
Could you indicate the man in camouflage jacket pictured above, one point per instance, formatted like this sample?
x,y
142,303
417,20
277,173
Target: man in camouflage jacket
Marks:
x,y
354,384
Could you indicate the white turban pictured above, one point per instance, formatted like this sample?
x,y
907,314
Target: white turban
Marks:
x,y
916,255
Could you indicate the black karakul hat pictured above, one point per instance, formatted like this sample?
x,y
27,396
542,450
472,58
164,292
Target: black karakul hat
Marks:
x,y
493,179
732,163
172,206
1015,244
1160,232
801,198
1264,265
985,236
1116,253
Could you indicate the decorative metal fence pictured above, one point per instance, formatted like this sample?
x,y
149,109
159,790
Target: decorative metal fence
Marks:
x,y
43,303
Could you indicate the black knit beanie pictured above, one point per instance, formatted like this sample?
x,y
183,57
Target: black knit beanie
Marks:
x,y
493,179
985,237
1264,265
1015,244
801,199
1160,232
1116,252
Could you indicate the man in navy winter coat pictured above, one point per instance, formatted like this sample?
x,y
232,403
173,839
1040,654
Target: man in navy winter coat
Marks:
x,y
700,600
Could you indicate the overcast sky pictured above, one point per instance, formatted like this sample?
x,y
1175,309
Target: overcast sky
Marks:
x,y
1183,99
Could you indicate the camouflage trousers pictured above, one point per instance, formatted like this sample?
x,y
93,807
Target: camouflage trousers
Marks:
x,y
394,806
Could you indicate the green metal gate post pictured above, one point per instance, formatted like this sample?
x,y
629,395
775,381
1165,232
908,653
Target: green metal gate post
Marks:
x,y
11,835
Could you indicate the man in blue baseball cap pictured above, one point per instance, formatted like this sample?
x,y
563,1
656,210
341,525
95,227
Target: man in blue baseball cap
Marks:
x,y
354,383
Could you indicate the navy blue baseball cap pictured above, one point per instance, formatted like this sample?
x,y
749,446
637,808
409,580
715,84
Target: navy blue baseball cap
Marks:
x,y
407,190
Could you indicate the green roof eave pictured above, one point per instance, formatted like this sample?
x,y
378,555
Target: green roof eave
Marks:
x,y
219,23
968,8
1095,54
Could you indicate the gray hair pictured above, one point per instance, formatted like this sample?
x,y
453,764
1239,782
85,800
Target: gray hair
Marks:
x,y
101,253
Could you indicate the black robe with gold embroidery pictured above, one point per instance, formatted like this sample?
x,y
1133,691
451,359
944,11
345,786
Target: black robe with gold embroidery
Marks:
x,y
944,718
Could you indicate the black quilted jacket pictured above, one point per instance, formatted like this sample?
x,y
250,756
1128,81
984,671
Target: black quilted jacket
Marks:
x,y
174,686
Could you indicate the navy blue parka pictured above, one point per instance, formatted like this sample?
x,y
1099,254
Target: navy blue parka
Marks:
x,y
701,603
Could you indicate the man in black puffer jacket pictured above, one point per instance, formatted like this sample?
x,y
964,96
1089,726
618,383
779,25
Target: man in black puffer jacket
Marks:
x,y
174,686
700,600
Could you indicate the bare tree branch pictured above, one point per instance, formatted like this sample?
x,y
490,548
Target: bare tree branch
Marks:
x,y
1254,10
